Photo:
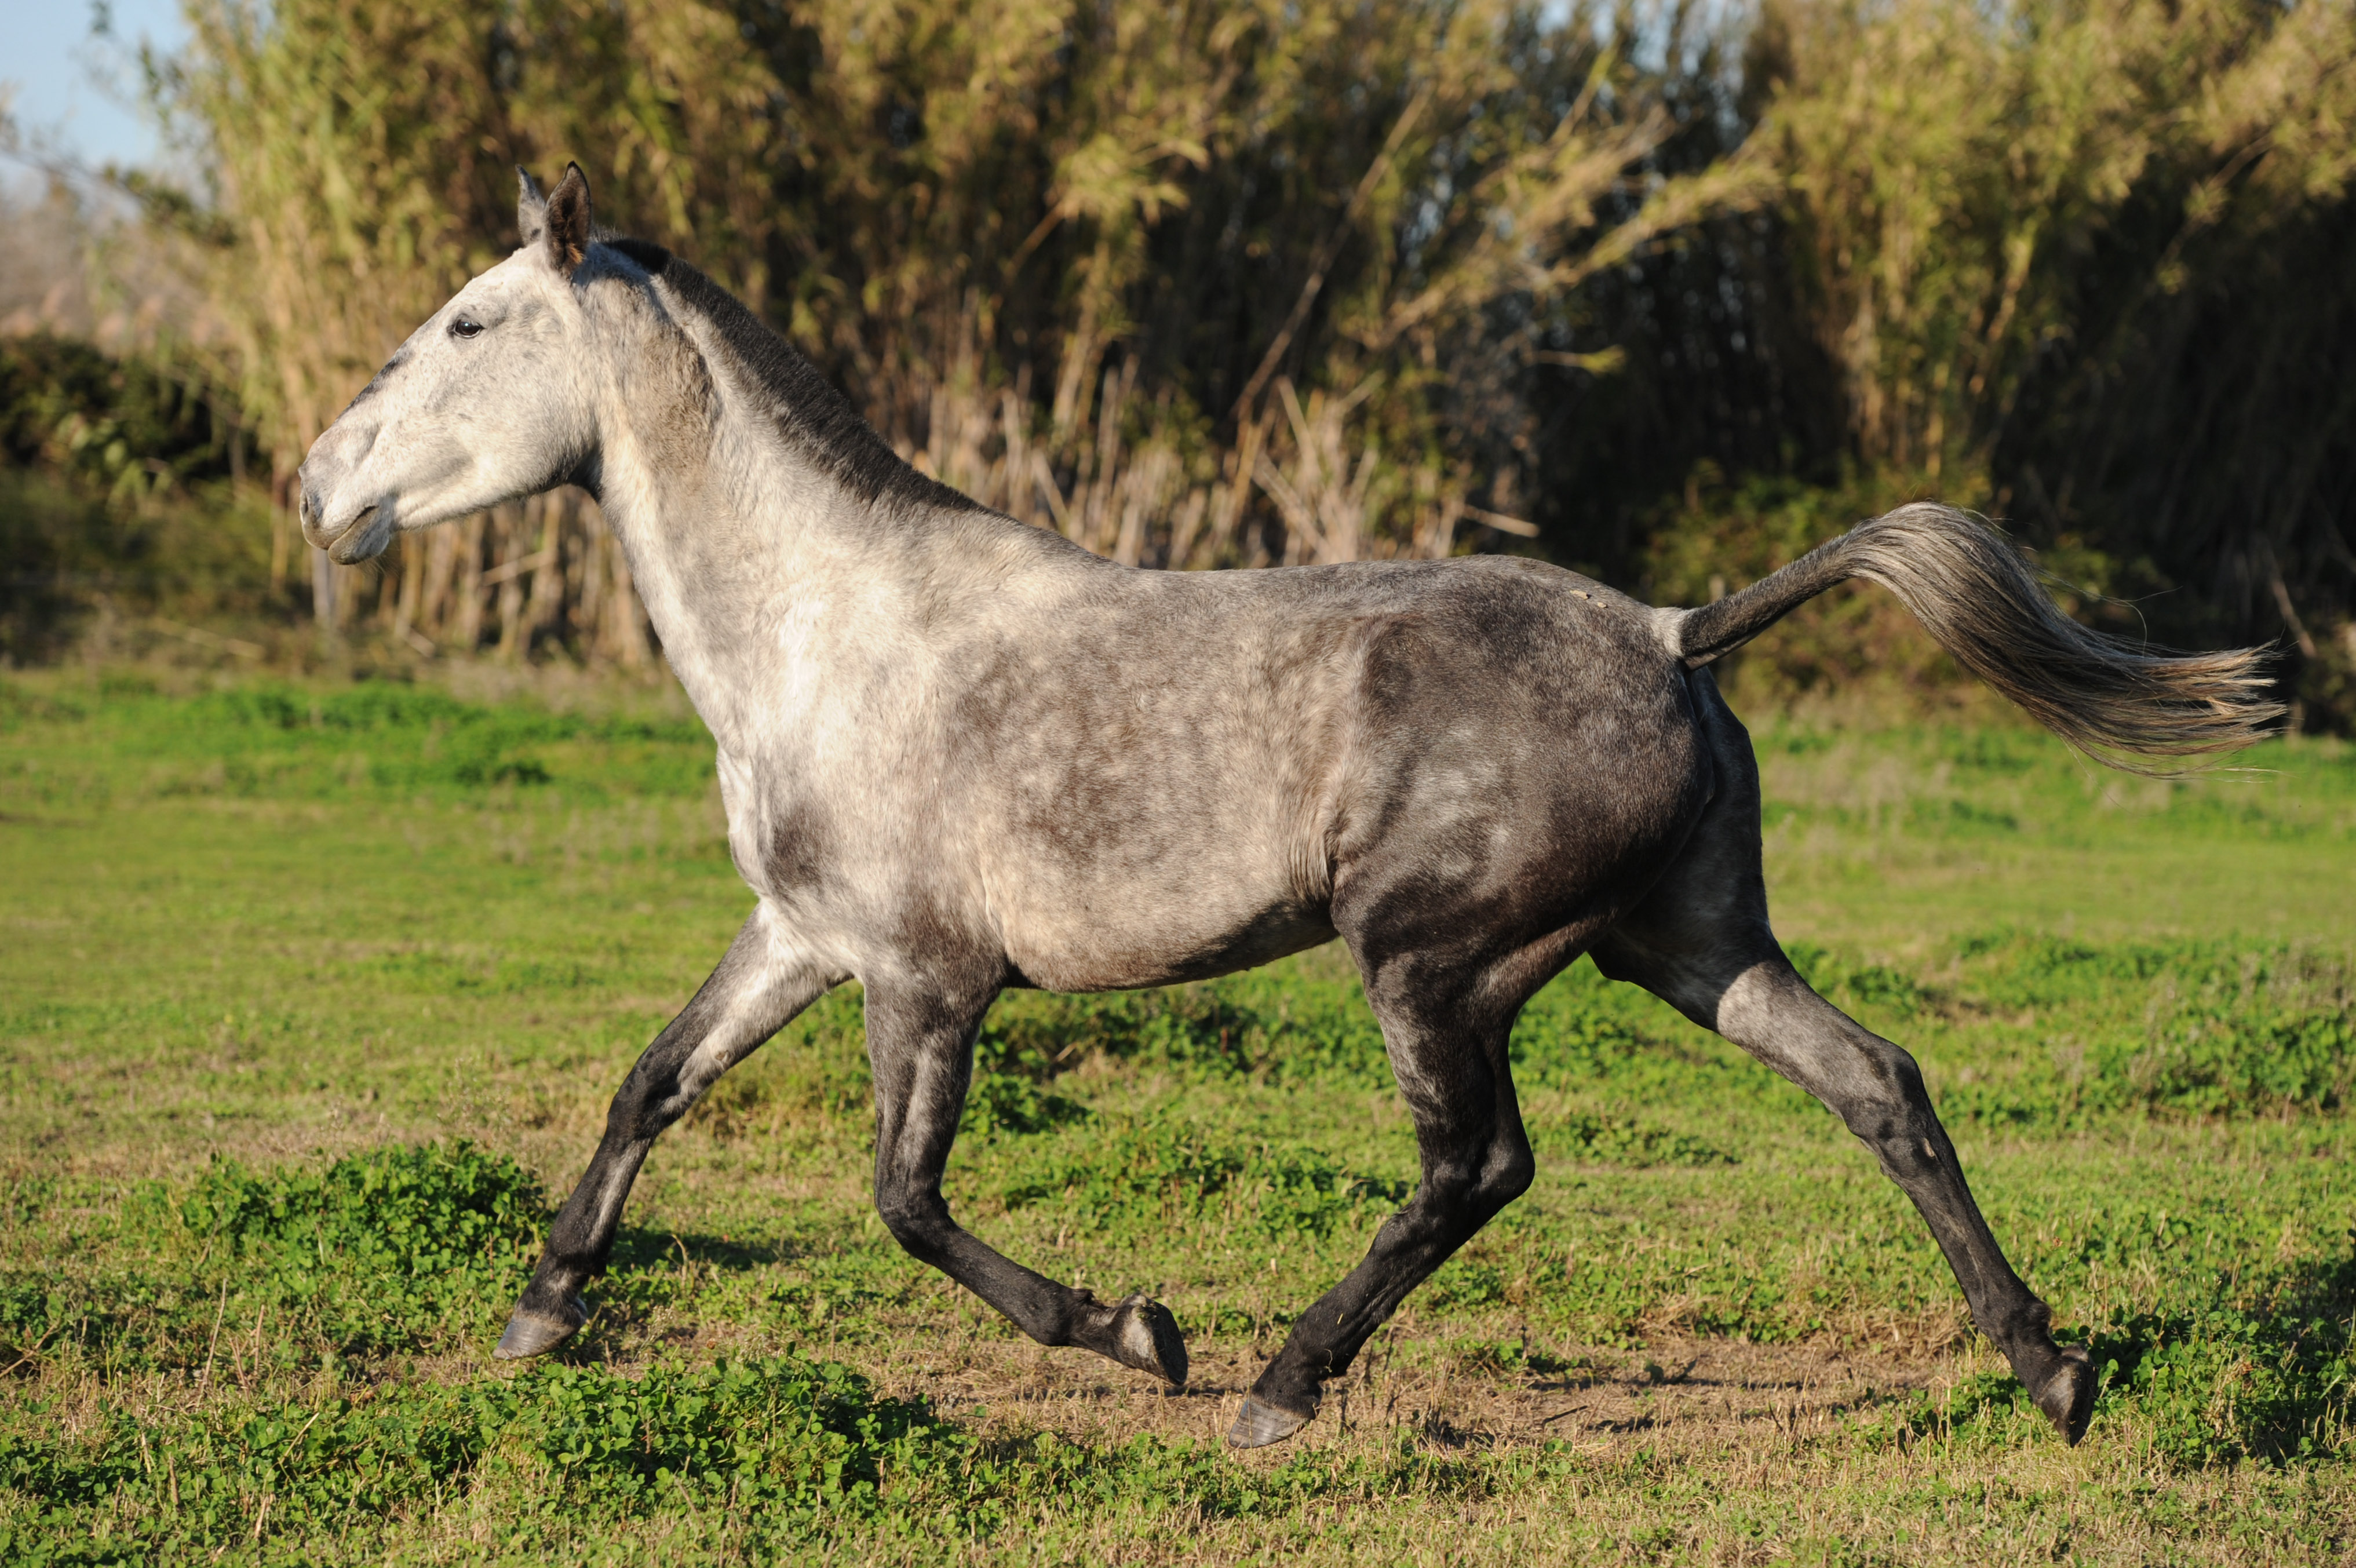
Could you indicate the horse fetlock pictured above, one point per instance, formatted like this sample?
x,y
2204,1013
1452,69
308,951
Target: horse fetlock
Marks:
x,y
1145,1336
2024,1333
558,1279
2060,1377
536,1330
2067,1396
1135,1331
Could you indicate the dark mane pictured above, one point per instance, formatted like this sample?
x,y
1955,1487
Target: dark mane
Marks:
x,y
807,409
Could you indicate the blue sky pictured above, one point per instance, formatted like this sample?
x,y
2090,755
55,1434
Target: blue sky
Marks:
x,y
57,65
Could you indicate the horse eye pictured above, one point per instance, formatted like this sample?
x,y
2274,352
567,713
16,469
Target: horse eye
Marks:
x,y
462,328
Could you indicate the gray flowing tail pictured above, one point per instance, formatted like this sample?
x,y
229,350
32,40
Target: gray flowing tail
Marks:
x,y
1982,603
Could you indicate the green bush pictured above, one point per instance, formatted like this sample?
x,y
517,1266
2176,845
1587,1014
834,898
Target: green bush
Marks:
x,y
90,447
392,1249
129,428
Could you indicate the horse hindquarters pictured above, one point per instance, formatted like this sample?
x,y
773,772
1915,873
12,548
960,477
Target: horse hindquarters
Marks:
x,y
1701,943
1497,851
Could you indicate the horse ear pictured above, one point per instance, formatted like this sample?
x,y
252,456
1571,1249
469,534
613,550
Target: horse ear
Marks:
x,y
531,208
568,222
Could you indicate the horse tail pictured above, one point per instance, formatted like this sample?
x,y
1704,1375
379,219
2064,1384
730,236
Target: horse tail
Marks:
x,y
1985,605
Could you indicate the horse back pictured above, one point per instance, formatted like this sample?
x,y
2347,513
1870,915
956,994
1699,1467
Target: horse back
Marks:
x,y
1217,769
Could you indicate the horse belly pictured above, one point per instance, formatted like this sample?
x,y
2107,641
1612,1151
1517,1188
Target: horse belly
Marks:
x,y
1163,816
1118,932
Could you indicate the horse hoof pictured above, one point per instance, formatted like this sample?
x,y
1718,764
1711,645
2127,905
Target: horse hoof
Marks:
x,y
535,1333
2068,1397
1145,1336
1260,1424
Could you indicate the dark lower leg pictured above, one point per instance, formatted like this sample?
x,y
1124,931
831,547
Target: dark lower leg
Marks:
x,y
579,1243
749,998
1918,1157
922,1061
1134,1331
1876,1090
1442,1215
1477,1159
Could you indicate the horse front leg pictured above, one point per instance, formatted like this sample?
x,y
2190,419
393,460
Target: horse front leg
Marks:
x,y
761,982
920,1044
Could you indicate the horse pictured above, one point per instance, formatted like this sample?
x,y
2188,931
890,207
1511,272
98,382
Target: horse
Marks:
x,y
959,754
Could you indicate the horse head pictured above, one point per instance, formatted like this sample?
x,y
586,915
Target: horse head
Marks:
x,y
493,398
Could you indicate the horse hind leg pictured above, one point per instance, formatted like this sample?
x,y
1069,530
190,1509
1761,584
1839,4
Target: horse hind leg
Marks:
x,y
1876,1090
1701,943
920,1044
1449,1057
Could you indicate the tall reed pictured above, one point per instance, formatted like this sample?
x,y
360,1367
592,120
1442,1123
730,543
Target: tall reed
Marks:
x,y
1222,282
1193,284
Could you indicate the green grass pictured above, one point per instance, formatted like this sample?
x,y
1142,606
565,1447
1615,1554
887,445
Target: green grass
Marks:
x,y
311,998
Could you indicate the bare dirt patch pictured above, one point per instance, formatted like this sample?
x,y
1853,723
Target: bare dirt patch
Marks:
x,y
1692,1395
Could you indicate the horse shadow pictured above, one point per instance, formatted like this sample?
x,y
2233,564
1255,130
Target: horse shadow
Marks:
x,y
675,1287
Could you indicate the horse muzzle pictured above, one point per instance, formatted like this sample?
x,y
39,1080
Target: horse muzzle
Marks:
x,y
356,538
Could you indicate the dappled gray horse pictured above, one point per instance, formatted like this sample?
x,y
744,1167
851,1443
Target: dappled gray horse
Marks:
x,y
959,754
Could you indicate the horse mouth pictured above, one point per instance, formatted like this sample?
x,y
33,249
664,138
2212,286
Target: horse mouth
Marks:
x,y
370,531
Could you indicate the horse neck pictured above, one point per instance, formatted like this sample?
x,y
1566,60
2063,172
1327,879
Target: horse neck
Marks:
x,y
739,548
716,571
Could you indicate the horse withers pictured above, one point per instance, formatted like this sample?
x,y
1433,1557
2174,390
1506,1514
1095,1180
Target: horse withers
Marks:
x,y
959,754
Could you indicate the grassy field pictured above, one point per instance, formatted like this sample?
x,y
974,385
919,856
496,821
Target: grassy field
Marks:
x,y
311,997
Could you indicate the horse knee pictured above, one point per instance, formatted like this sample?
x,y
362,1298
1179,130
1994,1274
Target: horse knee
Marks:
x,y
626,1114
1508,1175
647,1103
918,1220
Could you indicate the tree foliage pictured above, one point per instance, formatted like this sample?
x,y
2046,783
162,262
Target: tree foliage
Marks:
x,y
1231,281
2079,264
2008,222
1109,266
